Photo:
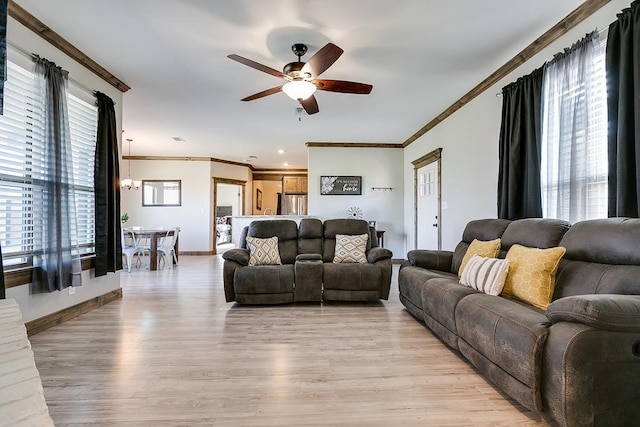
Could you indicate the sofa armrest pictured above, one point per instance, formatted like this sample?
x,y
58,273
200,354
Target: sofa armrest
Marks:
x,y
610,312
378,254
431,259
237,255
309,257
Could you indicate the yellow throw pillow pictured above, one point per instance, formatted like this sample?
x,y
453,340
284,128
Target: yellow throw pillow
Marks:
x,y
532,274
487,249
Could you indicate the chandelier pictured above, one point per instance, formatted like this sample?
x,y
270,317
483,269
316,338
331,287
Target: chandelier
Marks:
x,y
128,183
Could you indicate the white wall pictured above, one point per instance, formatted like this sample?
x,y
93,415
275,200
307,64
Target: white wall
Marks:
x,y
229,195
469,139
379,167
194,214
39,305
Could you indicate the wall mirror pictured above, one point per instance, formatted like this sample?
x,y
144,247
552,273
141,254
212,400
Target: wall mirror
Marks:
x,y
161,192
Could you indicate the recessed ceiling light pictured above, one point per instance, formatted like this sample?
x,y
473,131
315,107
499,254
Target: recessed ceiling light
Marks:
x,y
253,157
286,164
281,151
178,139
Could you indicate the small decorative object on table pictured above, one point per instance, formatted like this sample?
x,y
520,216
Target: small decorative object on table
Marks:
x,y
124,218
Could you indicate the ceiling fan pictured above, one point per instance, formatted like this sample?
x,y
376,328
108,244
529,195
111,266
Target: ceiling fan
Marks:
x,y
302,77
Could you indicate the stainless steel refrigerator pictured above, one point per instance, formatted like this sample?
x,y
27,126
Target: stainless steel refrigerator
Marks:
x,y
294,204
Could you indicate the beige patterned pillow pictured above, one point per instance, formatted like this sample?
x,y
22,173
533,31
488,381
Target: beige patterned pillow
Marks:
x,y
351,249
263,251
532,274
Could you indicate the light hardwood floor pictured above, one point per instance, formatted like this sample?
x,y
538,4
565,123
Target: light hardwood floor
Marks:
x,y
172,352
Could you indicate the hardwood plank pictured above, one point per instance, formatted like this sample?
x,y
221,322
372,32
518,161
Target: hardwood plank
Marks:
x,y
53,319
172,352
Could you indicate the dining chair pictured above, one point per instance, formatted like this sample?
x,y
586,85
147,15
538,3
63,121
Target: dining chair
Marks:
x,y
130,248
166,248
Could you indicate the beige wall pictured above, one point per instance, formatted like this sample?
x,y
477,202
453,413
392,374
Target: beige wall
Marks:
x,y
270,190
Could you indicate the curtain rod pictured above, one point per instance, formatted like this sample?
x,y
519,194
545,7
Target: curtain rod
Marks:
x,y
600,33
32,56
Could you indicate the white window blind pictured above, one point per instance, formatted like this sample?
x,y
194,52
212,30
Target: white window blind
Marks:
x,y
21,164
574,170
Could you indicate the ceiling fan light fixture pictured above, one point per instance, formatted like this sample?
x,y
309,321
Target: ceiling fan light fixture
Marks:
x,y
299,89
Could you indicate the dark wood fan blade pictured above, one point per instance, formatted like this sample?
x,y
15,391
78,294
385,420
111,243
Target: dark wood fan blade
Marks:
x,y
322,60
256,65
343,86
310,105
263,93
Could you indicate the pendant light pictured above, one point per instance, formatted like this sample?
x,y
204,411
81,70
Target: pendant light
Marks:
x,y
128,183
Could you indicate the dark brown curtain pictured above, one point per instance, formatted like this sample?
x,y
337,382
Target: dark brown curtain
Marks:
x,y
519,192
107,190
623,104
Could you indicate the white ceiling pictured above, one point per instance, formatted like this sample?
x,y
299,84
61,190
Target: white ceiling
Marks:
x,y
419,55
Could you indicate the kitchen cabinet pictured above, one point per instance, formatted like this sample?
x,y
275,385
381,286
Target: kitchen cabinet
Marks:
x,y
294,185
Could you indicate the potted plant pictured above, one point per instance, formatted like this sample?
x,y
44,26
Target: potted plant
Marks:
x,y
124,218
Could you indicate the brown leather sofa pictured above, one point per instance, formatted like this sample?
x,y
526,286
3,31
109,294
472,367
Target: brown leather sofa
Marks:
x,y
578,360
307,273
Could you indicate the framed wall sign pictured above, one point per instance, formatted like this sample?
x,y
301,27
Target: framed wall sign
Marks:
x,y
258,199
341,185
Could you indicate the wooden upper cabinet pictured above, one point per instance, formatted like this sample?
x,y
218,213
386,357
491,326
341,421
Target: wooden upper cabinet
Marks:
x,y
294,185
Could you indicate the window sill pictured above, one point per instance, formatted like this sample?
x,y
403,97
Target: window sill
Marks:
x,y
22,276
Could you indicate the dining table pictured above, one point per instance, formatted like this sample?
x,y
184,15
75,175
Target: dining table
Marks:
x,y
153,235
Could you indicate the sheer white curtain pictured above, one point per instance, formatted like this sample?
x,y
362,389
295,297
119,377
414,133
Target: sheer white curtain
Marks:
x,y
56,259
574,133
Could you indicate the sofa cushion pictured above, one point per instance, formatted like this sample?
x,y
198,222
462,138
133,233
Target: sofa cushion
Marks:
x,y
485,274
310,236
351,277
333,227
440,297
285,229
488,249
532,274
608,312
351,249
604,241
481,229
539,233
411,280
263,251
264,279
508,333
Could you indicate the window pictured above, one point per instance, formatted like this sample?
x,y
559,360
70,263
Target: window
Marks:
x,y
21,159
574,164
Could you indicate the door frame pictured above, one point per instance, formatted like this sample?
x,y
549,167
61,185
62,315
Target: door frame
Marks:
x,y
214,209
427,159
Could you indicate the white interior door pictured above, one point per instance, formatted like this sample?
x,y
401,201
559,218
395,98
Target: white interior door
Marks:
x,y
427,207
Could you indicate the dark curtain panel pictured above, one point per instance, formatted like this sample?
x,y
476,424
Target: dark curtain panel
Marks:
x,y
107,190
3,49
3,294
623,104
56,255
519,193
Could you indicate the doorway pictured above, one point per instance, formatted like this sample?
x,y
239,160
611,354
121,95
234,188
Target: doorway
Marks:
x,y
427,201
228,201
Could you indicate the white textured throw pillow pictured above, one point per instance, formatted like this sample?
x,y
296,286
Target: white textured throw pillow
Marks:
x,y
351,249
485,274
263,251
